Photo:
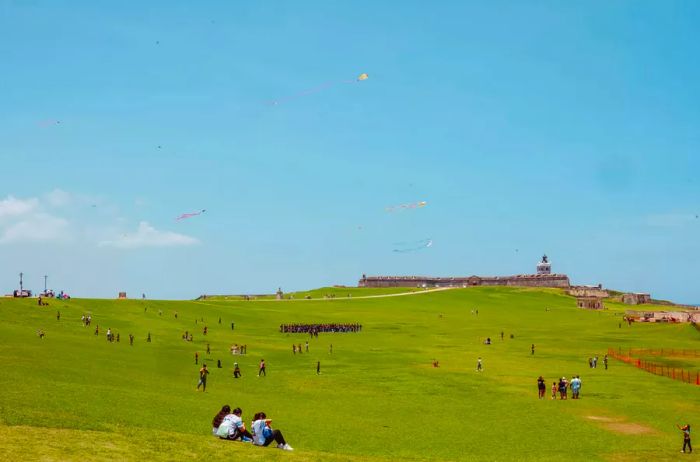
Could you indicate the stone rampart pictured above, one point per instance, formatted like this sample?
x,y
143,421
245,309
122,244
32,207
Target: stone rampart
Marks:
x,y
519,280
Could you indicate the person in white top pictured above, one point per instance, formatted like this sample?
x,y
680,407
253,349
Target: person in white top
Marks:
x,y
233,428
264,434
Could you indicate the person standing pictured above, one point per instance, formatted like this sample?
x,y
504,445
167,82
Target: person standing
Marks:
x,y
131,339
261,368
575,387
236,371
294,348
541,387
58,317
208,349
203,372
330,349
479,367
605,362
686,437
307,346
532,348
318,368
196,357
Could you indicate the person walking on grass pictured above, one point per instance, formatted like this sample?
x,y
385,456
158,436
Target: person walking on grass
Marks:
x,y
261,368
203,372
686,437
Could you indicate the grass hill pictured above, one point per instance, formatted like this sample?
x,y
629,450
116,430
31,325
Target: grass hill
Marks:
x,y
75,396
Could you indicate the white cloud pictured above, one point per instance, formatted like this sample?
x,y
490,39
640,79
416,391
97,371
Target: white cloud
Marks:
x,y
671,220
147,236
58,198
36,227
13,207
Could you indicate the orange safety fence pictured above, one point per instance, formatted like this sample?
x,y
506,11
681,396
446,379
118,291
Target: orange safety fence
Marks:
x,y
674,373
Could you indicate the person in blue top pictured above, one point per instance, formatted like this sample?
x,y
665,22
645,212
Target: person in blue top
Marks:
x,y
264,434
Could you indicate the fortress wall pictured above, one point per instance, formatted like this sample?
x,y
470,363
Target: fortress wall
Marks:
x,y
522,280
583,291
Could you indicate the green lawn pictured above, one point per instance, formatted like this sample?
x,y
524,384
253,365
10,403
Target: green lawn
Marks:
x,y
75,396
324,292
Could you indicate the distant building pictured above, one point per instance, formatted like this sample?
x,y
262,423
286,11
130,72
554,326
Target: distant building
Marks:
x,y
661,316
636,298
590,303
122,295
588,291
544,267
279,295
543,278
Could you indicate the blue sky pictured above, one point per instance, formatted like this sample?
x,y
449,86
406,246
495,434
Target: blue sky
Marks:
x,y
558,127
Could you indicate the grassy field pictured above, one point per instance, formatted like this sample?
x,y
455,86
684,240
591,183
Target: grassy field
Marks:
x,y
75,396
323,292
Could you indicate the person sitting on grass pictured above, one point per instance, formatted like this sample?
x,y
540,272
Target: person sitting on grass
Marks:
x,y
233,428
264,434
218,418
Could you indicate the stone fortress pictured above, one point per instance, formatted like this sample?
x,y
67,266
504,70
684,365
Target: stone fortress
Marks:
x,y
542,278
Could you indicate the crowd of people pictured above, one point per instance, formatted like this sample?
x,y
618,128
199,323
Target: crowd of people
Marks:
x,y
228,425
561,387
314,329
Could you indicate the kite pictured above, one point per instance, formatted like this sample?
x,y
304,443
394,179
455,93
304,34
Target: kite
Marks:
x,y
413,205
405,247
185,216
324,86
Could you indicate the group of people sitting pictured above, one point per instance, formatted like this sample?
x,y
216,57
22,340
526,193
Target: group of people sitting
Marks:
x,y
314,329
228,425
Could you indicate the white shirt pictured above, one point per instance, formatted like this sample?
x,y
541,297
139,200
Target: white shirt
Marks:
x,y
231,423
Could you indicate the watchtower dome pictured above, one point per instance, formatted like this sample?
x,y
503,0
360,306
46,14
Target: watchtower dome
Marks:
x,y
544,267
